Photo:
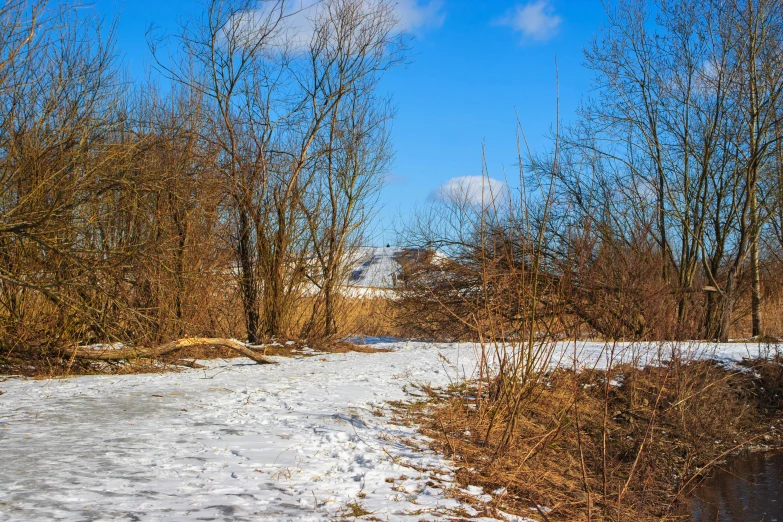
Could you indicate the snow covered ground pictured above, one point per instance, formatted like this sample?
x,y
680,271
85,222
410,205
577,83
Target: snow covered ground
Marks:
x,y
301,440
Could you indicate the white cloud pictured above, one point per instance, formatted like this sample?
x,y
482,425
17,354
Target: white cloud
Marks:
x,y
708,77
535,20
297,27
476,190
415,16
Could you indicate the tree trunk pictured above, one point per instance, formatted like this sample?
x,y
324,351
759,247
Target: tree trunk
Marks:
x,y
330,326
755,297
179,266
247,281
135,353
682,307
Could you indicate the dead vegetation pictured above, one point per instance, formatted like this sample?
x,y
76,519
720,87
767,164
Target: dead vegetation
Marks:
x,y
168,357
128,354
628,444
210,201
616,234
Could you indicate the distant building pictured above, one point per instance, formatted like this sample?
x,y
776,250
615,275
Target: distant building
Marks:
x,y
376,271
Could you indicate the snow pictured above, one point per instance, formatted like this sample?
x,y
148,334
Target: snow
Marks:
x,y
296,441
103,347
301,440
374,267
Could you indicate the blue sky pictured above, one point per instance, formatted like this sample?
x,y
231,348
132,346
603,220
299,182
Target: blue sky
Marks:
x,y
475,65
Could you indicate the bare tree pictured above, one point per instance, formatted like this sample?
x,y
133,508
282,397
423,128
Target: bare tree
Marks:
x,y
350,174
59,120
662,136
756,36
278,85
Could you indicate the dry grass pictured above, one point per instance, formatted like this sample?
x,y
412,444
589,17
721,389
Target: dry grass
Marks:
x,y
345,347
362,317
370,317
43,347
355,509
62,364
661,429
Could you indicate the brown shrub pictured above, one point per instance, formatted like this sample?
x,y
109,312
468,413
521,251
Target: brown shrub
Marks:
x,y
591,450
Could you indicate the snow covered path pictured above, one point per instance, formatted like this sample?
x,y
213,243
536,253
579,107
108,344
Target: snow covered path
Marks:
x,y
236,442
296,441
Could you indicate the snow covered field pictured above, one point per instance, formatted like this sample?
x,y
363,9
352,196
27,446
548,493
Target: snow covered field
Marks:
x,y
301,440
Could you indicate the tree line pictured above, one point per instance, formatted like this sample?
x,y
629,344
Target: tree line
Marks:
x,y
656,214
222,196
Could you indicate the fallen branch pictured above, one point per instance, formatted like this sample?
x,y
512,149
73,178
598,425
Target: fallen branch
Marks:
x,y
152,353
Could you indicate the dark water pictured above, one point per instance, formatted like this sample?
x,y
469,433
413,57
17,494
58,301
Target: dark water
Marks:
x,y
749,488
